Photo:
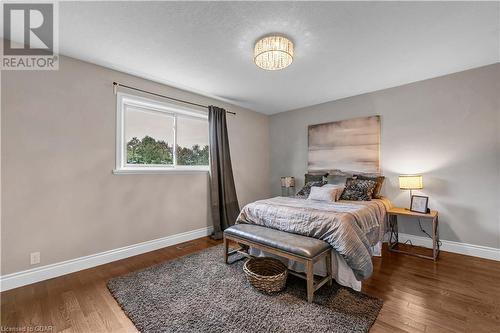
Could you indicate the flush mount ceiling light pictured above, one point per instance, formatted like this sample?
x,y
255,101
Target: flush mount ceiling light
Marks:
x,y
273,52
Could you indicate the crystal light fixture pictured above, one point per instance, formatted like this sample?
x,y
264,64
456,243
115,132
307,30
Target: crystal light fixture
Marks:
x,y
273,52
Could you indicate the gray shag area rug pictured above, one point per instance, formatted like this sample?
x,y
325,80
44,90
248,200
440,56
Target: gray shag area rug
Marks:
x,y
200,293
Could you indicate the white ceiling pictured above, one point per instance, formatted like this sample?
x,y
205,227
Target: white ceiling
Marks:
x,y
342,49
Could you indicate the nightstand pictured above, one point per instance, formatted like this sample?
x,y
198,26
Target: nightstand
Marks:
x,y
393,214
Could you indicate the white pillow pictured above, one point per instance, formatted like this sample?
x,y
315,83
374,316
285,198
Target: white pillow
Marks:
x,y
322,193
339,189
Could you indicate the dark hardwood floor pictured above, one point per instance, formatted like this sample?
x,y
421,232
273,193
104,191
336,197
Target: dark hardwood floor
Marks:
x,y
456,294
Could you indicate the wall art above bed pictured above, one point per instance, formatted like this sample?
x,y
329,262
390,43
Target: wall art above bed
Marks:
x,y
351,145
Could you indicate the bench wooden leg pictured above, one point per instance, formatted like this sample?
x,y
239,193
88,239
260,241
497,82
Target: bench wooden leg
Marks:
x,y
310,280
226,248
329,267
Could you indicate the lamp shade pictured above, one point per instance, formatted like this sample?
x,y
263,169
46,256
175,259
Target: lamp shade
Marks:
x,y
411,182
287,181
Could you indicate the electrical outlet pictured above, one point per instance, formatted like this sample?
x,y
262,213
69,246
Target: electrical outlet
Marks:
x,y
34,258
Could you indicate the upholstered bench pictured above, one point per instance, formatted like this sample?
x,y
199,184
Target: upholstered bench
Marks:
x,y
302,249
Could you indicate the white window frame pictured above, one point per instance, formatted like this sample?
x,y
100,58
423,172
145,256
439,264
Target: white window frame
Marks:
x,y
121,167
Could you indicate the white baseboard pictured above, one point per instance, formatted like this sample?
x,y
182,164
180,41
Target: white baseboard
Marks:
x,y
30,276
19,279
455,247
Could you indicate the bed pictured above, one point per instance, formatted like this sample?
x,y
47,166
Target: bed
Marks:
x,y
342,153
354,229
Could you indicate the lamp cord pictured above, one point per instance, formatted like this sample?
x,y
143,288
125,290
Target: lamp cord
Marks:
x,y
425,232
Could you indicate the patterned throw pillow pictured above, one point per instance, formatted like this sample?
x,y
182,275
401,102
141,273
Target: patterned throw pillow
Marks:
x,y
358,190
304,192
378,179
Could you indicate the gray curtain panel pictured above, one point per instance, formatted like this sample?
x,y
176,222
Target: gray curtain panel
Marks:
x,y
225,208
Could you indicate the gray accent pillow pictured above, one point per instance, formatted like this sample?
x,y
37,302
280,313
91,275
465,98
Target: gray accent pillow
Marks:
x,y
358,190
314,177
336,179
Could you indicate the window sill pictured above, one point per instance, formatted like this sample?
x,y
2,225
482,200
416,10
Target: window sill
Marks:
x,y
153,171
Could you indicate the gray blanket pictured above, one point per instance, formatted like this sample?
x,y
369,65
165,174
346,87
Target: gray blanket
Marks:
x,y
350,227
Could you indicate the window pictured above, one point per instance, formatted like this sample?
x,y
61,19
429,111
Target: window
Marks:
x,y
155,136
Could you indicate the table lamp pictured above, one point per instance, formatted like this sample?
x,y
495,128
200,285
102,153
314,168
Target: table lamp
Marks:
x,y
287,183
411,182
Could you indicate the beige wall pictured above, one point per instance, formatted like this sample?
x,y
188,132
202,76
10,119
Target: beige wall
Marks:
x,y
59,196
446,128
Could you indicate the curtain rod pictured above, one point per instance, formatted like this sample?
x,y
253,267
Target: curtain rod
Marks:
x,y
116,84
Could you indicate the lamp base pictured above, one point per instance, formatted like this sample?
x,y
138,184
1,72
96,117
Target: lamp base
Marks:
x,y
288,191
410,200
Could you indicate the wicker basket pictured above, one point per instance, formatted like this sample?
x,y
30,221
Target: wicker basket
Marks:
x,y
266,274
